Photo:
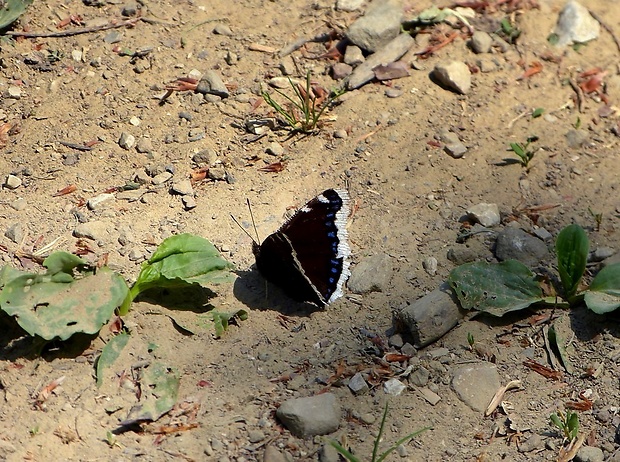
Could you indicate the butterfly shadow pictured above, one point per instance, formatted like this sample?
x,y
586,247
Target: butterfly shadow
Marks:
x,y
251,289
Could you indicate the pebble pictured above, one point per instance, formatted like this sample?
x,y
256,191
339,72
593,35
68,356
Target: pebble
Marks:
x,y
126,141
394,387
353,55
391,52
371,274
394,92
341,70
206,157
576,25
113,37
429,395
576,138
211,83
396,341
430,265
420,376
12,182
485,214
408,349
222,29
15,233
349,5
135,121
19,204
341,133
589,454
454,75
183,187
161,178
377,27
273,454
481,42
136,254
514,243
196,134
358,385
542,234
256,435
231,58
144,145
217,174
189,202
315,415
129,10
601,253
94,230
532,443
476,384
452,144
275,149
402,451
97,202
328,453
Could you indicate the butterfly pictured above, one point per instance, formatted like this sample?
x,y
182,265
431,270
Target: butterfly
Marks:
x,y
308,257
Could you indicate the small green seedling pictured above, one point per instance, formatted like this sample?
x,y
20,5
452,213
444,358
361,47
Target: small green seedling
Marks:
x,y
568,423
598,218
509,31
376,457
577,124
34,430
523,150
303,112
537,112
110,438
470,340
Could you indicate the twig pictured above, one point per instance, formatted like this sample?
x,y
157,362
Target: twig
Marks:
x,y
69,33
579,92
606,27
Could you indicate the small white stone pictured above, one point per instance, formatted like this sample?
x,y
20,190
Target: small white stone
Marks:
x,y
135,121
13,182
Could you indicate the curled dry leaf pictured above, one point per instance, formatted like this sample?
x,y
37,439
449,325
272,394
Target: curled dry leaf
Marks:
x,y
275,167
499,396
66,190
44,393
543,370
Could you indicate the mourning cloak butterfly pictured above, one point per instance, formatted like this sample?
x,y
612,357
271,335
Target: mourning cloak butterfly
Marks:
x,y
308,256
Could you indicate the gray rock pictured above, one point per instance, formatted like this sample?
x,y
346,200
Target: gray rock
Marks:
x,y
217,173
576,25
430,265
358,385
211,83
601,253
576,138
222,29
349,5
396,341
328,453
273,454
589,454
144,145
454,75
420,377
275,149
481,42
476,384
371,274
183,187
377,27
161,178
542,234
12,182
19,204
485,214
130,195
256,435
15,233
353,55
514,243
452,144
206,156
394,387
532,443
189,202
431,316
97,202
429,395
391,52
315,415
95,230
287,66
126,141
341,70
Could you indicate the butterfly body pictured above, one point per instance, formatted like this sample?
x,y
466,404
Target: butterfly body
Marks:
x,y
308,256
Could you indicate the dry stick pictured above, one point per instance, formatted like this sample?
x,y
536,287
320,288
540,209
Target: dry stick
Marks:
x,y
579,93
69,33
606,27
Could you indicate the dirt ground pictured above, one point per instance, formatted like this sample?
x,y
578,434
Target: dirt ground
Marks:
x,y
409,199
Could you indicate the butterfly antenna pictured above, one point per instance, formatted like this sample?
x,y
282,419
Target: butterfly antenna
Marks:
x,y
242,228
253,222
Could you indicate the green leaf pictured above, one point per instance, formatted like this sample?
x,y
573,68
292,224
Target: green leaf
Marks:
x,y
572,247
537,112
495,288
557,343
221,320
62,262
572,424
181,260
160,388
109,354
12,10
58,307
603,294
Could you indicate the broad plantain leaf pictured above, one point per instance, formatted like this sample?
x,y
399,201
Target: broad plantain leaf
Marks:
x,y
495,288
11,10
160,388
603,294
109,354
58,307
572,247
62,262
178,261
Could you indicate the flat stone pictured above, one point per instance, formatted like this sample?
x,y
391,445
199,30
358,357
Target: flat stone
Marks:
x,y
19,204
222,29
206,157
97,202
420,377
273,454
485,214
328,453
481,42
476,384
95,230
349,5
430,396
394,387
353,55
315,415
341,70
454,75
516,244
576,25
183,187
377,27
144,145
358,385
256,435
161,178
217,173
275,149
589,454
130,195
371,274
211,83
15,233
12,182
189,202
